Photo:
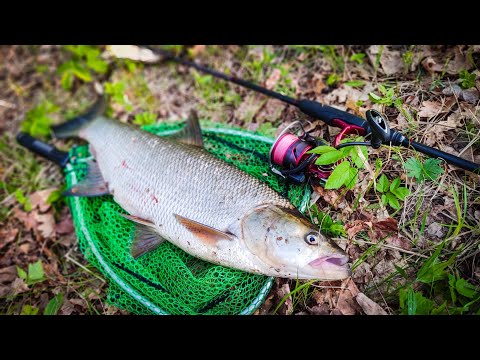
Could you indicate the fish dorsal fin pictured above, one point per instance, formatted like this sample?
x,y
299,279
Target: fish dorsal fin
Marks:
x,y
92,185
145,238
205,233
191,134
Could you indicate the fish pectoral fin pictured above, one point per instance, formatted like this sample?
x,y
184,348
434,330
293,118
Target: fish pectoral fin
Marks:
x,y
191,134
145,240
205,233
138,220
92,185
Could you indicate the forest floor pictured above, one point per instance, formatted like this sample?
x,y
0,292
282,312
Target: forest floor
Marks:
x,y
414,250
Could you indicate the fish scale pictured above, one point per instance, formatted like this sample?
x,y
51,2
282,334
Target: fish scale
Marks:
x,y
155,178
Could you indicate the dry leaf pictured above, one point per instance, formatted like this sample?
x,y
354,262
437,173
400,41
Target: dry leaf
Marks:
x,y
369,306
27,219
133,52
273,79
65,226
8,274
431,65
346,303
391,60
7,236
197,49
46,224
19,286
470,95
430,109
287,306
452,89
39,199
321,309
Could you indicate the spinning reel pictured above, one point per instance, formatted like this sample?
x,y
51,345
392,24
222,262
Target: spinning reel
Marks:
x,y
290,154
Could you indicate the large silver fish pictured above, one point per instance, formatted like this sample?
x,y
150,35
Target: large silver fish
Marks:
x,y
174,190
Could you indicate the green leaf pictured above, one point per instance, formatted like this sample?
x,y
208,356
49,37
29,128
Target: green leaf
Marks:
x,y
321,150
332,79
451,283
401,271
466,289
358,57
338,176
355,83
21,273
401,192
145,118
411,302
395,184
384,199
432,169
468,80
440,309
357,160
352,178
382,184
414,169
29,310
54,305
393,201
374,97
330,157
35,272
382,89
54,196
434,270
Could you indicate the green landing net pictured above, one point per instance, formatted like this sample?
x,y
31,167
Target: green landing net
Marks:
x,y
168,280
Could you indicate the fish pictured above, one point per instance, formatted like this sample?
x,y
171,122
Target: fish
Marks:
x,y
174,190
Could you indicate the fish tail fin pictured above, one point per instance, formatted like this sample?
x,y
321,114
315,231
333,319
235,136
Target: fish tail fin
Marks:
x,y
72,127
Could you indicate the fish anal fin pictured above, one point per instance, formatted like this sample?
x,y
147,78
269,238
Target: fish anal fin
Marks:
x,y
92,185
207,234
191,134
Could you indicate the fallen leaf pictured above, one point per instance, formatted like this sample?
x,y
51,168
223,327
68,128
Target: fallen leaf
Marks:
x,y
133,52
65,226
39,199
197,49
391,60
435,229
273,79
431,65
369,306
430,109
8,274
319,84
321,309
387,225
470,95
399,241
346,303
46,224
287,306
452,89
19,286
4,291
27,219
7,236
354,227
459,63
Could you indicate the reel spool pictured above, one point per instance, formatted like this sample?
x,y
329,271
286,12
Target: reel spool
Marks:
x,y
290,154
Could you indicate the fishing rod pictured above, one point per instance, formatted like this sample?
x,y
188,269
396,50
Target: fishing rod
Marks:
x,y
290,149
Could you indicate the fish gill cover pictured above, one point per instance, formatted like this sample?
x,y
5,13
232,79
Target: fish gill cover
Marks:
x,y
168,280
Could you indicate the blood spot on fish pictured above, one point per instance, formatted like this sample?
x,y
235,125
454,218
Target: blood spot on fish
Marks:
x,y
124,164
74,190
154,198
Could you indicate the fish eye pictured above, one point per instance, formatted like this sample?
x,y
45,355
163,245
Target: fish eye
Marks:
x,y
311,239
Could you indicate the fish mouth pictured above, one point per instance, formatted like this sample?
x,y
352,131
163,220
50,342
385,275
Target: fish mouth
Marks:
x,y
332,267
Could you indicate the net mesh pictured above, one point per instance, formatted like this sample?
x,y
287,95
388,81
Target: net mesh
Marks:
x,y
168,280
